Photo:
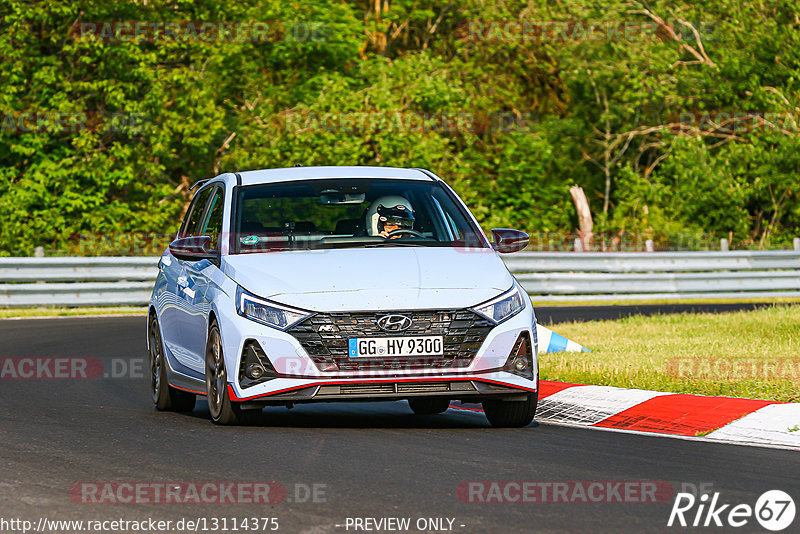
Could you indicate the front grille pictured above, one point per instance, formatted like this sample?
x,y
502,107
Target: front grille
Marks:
x,y
350,389
399,388
414,387
325,338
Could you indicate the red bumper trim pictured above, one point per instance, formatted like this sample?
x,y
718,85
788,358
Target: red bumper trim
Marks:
x,y
203,393
234,397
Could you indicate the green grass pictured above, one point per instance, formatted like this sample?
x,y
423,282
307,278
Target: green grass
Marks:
x,y
7,313
752,354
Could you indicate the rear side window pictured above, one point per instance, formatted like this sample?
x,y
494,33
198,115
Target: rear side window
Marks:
x,y
191,224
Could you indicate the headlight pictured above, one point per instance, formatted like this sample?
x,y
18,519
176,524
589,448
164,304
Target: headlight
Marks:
x,y
266,312
503,307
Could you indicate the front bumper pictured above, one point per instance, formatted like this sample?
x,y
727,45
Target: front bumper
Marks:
x,y
501,385
300,379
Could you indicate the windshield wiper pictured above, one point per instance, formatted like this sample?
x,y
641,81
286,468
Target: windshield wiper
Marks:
x,y
391,243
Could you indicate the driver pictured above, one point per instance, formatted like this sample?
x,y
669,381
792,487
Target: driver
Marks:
x,y
388,214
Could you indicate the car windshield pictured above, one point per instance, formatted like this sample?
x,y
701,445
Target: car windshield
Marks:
x,y
348,213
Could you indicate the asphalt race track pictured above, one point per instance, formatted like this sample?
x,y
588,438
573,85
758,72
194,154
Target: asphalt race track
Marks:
x,y
366,460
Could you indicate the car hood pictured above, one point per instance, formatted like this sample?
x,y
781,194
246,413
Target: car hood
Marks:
x,y
392,278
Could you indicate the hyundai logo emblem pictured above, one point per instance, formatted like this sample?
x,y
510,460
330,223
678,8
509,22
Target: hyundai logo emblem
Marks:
x,y
394,323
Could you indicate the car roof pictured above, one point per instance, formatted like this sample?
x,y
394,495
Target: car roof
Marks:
x,y
313,173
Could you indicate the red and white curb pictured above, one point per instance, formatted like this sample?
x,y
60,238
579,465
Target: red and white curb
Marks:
x,y
722,419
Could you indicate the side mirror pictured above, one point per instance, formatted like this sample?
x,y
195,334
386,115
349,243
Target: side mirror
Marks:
x,y
193,249
507,241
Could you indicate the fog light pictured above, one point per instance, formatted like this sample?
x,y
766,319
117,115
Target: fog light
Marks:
x,y
520,361
255,372
254,367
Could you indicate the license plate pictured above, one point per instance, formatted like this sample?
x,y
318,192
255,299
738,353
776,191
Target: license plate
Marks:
x,y
382,347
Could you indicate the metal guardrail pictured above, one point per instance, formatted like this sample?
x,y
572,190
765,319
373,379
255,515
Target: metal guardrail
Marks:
x,y
98,269
629,262
546,276
76,294
97,281
564,276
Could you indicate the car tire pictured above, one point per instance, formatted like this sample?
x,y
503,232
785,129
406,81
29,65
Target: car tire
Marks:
x,y
430,406
165,397
223,411
511,414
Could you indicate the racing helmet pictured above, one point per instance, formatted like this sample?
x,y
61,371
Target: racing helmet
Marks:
x,y
392,208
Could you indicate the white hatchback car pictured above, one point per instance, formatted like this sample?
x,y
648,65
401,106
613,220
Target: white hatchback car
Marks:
x,y
320,284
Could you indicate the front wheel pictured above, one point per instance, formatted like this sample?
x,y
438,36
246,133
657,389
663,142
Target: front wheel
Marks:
x,y
165,397
511,414
223,411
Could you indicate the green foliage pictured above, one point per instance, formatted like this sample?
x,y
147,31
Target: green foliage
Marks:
x,y
510,119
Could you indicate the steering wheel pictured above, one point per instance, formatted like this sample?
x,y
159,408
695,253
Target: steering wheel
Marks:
x,y
401,231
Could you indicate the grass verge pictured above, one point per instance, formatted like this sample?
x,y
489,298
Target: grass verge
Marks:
x,y
9,313
752,354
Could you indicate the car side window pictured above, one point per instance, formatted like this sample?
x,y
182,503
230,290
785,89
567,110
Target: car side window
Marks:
x,y
192,222
213,223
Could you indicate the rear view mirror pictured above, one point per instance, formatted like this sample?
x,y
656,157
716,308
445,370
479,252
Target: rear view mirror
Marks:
x,y
507,241
342,198
193,248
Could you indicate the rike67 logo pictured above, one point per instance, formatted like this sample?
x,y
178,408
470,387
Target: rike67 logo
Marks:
x,y
774,510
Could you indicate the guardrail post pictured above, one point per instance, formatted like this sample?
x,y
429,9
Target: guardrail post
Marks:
x,y
797,243
578,244
38,252
648,246
723,245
